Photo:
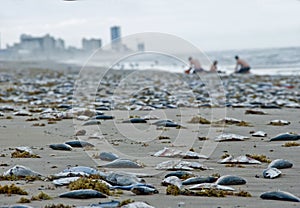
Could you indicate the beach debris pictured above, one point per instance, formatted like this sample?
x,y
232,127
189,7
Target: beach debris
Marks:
x,y
280,164
122,179
172,180
91,122
286,137
62,146
228,120
135,120
21,171
259,134
81,132
83,194
137,205
255,112
83,118
64,181
244,159
199,180
259,157
198,119
24,152
280,195
271,173
211,186
78,143
231,180
108,156
181,174
180,165
41,196
230,137
143,190
279,122
122,163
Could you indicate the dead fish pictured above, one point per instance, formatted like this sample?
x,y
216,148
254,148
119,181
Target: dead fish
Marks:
x,y
21,171
22,113
280,164
168,152
108,156
193,155
286,137
16,206
239,160
122,179
231,180
180,174
64,181
280,195
198,180
230,137
180,165
129,187
84,169
78,143
172,180
257,112
111,204
137,205
259,134
122,163
83,118
228,120
91,122
143,190
167,123
211,186
271,173
135,120
68,174
279,122
83,194
103,117
65,147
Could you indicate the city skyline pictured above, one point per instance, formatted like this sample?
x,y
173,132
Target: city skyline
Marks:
x,y
209,25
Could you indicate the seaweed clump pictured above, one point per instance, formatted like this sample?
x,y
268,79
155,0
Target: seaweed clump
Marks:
x,y
172,190
23,154
126,201
58,206
24,200
200,120
291,144
41,196
261,158
87,183
12,189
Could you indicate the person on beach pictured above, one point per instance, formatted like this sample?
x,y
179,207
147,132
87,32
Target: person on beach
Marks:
x,y
244,66
214,67
195,65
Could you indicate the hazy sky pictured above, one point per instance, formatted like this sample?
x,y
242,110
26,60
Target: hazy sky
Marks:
x,y
209,24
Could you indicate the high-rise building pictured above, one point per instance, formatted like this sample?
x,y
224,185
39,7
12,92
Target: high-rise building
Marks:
x,y
115,34
91,44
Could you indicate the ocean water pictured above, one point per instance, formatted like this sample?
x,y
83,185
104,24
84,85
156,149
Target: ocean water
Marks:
x,y
271,61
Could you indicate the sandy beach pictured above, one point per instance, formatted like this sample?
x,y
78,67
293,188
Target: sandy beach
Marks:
x,y
140,141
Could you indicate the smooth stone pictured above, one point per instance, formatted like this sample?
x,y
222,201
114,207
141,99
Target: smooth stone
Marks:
x,y
143,190
198,180
136,120
91,122
286,137
108,156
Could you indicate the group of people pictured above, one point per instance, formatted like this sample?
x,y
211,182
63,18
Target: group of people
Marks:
x,y
241,67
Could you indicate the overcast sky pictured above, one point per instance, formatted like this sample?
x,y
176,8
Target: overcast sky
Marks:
x,y
209,24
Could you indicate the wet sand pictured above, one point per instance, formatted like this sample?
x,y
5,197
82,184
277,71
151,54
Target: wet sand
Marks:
x,y
139,141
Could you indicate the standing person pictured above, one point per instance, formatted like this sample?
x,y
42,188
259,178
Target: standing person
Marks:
x,y
214,67
244,66
194,64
